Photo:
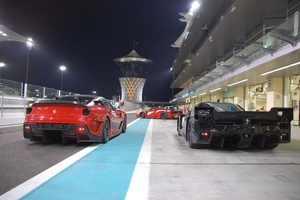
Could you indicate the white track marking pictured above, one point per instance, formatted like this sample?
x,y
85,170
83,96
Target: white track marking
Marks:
x,y
139,185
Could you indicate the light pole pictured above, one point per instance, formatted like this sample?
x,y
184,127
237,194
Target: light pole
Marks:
x,y
2,64
62,68
29,44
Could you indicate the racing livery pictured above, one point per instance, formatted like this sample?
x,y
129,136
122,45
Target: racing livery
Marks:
x,y
220,124
157,113
83,118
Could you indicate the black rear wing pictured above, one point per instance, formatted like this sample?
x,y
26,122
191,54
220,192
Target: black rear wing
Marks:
x,y
283,113
56,102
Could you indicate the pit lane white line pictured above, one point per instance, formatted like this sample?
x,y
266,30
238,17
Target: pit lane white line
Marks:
x,y
34,182
139,184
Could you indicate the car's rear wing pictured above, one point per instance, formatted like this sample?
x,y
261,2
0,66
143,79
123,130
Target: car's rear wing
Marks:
x,y
56,102
283,113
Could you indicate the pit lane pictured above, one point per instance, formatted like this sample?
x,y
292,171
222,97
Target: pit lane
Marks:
x,y
176,171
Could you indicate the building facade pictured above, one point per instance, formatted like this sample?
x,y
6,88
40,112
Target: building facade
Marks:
x,y
245,52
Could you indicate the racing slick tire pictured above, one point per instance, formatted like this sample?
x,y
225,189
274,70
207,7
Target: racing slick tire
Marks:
x,y
178,124
105,131
189,136
124,126
270,146
142,115
271,142
163,115
189,139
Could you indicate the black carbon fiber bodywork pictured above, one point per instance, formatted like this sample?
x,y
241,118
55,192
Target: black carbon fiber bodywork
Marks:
x,y
206,125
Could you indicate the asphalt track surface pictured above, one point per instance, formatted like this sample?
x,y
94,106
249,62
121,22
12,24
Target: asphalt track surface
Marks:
x,y
150,161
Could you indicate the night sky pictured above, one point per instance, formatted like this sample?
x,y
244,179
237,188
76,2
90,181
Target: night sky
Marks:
x,y
86,36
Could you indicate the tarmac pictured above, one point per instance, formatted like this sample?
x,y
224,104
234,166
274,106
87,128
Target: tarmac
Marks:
x,y
150,161
178,172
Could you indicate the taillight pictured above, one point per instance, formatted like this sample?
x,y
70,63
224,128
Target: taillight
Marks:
x,y
27,127
28,110
80,129
204,135
86,111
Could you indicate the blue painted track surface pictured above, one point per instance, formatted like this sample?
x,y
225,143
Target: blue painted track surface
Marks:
x,y
104,173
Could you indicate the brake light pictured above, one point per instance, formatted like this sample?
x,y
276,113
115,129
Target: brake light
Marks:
x,y
27,127
80,129
205,134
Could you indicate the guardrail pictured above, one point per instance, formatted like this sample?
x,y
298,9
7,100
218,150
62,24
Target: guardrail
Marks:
x,y
15,96
13,106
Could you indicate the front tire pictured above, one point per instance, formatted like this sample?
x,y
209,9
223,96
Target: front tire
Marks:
x,y
105,131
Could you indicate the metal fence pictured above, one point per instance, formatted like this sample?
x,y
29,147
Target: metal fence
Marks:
x,y
13,106
15,96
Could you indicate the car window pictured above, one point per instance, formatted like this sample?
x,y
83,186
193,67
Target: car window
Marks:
x,y
226,107
80,99
85,100
107,104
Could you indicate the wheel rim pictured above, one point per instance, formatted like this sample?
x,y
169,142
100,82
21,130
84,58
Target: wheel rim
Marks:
x,y
106,129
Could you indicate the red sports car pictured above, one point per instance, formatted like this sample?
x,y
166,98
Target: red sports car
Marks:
x,y
157,113
83,118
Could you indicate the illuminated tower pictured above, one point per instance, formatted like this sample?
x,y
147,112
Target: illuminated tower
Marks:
x,y
133,69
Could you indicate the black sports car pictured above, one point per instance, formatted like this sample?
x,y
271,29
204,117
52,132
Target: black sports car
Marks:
x,y
226,124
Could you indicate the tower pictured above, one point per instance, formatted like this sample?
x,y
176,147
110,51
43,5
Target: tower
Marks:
x,y
133,70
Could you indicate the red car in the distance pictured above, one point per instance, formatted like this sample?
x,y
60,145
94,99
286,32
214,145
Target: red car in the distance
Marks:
x,y
157,113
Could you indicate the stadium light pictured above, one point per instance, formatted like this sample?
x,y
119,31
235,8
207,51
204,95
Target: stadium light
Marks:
x,y
2,64
195,6
29,44
62,68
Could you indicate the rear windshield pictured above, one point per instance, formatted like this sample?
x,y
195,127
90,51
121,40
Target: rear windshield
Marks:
x,y
226,107
79,99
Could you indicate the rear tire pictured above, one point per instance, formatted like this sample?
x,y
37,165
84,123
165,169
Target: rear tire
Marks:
x,y
189,136
271,142
163,115
142,115
270,146
105,131
189,139
178,126
124,126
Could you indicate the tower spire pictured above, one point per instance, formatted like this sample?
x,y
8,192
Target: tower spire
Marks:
x,y
134,43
